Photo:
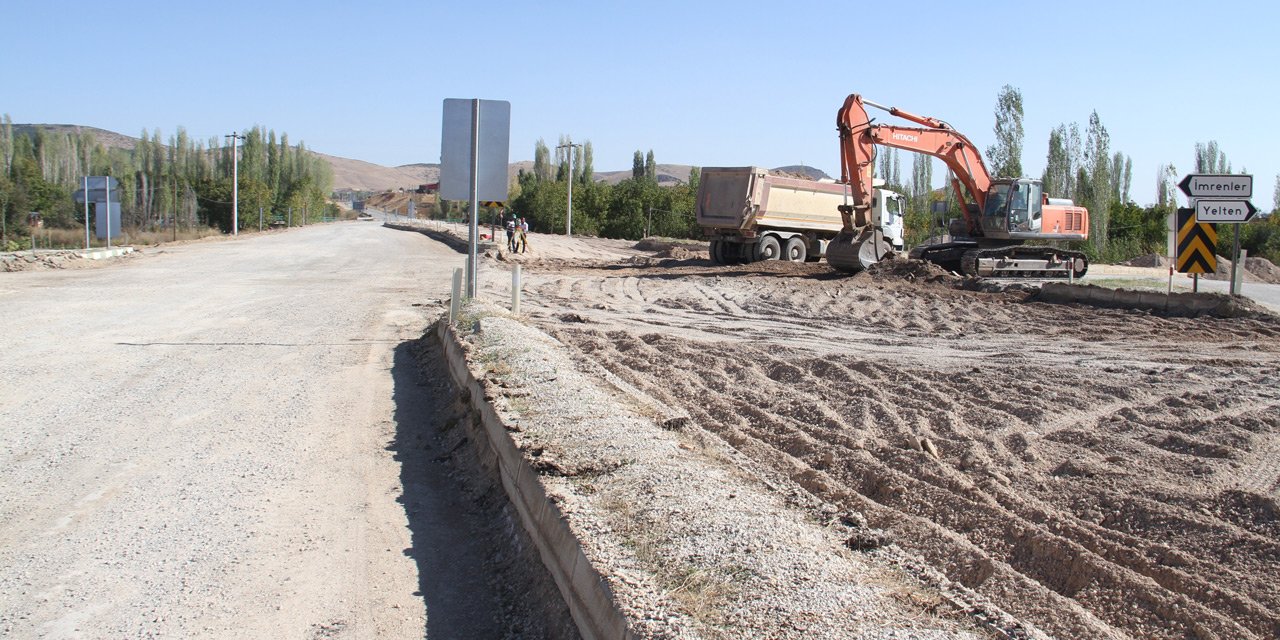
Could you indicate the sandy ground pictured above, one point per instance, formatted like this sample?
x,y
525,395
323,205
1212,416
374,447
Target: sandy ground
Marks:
x,y
1100,473
233,440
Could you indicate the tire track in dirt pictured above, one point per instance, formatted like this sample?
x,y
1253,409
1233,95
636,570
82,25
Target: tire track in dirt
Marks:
x,y
1099,470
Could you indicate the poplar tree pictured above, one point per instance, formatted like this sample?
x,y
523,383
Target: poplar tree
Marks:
x,y
650,167
1121,177
1057,166
588,164
6,145
921,175
541,161
1166,186
1005,156
1097,155
577,165
637,165
1210,159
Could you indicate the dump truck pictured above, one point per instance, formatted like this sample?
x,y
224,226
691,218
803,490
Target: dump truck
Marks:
x,y
750,214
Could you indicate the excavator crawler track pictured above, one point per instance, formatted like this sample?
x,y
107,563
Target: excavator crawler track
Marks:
x,y
1024,262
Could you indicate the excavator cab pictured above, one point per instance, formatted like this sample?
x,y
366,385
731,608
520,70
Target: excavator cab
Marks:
x,y
1014,209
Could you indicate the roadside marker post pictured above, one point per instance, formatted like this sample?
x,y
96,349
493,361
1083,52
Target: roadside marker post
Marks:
x,y
457,293
515,290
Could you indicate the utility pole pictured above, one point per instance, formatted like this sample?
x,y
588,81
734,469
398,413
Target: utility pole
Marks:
x,y
568,219
235,184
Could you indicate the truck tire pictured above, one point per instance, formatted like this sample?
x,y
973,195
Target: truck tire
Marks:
x,y
796,249
717,251
768,248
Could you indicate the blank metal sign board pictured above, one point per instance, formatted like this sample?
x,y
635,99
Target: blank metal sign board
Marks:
x,y
492,151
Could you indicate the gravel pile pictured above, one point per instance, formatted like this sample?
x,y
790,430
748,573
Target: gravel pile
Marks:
x,y
29,261
693,538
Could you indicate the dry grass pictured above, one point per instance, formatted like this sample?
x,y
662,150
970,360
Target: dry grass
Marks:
x,y
700,592
49,238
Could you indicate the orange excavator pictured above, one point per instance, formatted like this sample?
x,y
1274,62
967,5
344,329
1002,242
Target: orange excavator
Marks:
x,y
1000,215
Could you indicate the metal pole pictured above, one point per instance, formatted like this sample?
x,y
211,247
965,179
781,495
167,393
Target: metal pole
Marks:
x,y
473,235
235,185
108,192
1235,259
568,220
86,213
175,209
291,216
259,218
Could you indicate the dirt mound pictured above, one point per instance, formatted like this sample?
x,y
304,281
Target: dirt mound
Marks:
x,y
681,252
1255,270
1263,270
1148,261
911,269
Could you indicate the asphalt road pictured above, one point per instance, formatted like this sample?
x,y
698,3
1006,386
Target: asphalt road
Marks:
x,y
210,441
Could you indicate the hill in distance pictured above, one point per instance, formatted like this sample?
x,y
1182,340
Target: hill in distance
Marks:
x,y
358,175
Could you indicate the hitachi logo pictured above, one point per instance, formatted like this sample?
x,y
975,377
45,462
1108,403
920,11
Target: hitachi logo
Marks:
x,y
906,137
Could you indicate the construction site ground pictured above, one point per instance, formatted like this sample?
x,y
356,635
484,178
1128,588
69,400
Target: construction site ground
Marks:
x,y
1095,473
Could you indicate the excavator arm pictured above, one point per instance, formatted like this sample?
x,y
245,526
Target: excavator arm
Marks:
x,y
858,138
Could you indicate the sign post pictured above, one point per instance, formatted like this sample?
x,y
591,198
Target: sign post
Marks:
x,y
86,214
1221,198
100,190
474,151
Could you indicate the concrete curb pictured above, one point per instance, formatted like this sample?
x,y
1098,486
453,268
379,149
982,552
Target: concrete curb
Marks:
x,y
104,253
454,242
588,596
1176,304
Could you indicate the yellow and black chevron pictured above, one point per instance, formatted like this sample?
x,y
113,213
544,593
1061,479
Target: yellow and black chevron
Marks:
x,y
1196,242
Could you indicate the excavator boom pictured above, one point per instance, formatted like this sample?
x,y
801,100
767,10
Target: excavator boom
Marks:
x,y
858,138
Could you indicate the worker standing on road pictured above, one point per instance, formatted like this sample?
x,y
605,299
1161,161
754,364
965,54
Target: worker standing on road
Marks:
x,y
524,235
511,234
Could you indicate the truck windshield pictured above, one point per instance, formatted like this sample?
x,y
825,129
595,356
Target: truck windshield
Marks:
x,y
997,198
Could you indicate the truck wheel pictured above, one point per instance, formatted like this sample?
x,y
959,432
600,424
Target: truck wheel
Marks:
x,y
717,251
796,250
768,248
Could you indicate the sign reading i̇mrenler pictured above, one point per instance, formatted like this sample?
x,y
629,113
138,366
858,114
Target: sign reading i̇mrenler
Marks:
x,y
1217,185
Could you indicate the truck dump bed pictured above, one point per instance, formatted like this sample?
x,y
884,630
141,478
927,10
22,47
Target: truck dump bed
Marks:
x,y
746,197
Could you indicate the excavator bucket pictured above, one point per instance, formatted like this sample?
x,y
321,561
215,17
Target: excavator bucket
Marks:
x,y
851,254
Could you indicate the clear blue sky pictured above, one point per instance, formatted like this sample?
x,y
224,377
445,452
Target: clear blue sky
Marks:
x,y
702,83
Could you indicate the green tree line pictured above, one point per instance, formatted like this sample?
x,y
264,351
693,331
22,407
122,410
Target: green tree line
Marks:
x,y
181,181
631,209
